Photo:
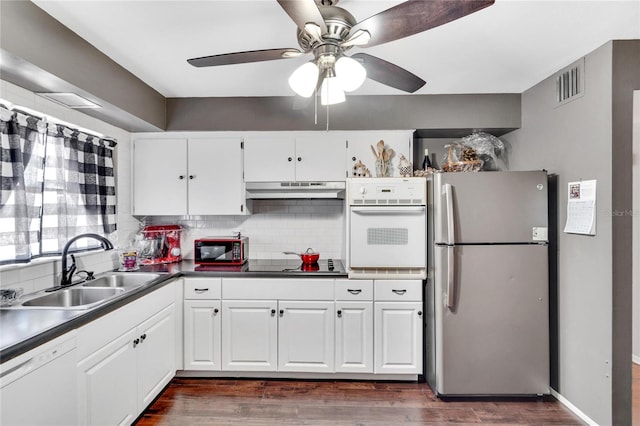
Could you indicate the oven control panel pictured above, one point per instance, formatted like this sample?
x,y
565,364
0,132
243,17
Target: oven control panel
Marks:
x,y
387,191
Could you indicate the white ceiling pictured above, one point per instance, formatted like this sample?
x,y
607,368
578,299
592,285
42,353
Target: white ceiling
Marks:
x,y
505,48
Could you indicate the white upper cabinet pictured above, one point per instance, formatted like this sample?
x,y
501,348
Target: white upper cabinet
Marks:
x,y
160,177
188,176
320,157
360,143
289,157
215,177
270,158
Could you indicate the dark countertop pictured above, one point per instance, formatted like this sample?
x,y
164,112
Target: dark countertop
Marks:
x,y
23,329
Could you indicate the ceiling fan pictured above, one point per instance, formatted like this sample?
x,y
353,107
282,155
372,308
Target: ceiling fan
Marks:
x,y
329,31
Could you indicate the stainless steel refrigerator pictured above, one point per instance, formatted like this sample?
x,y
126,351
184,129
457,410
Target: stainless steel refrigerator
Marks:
x,y
487,296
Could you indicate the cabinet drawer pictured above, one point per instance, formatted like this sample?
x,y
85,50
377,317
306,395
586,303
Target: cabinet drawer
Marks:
x,y
202,288
280,289
354,290
398,290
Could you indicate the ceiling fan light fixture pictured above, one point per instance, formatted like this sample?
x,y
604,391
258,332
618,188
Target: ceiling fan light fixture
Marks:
x,y
331,91
304,79
358,38
313,30
350,73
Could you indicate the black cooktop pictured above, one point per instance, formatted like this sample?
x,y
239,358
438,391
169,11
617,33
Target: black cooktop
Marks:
x,y
279,265
325,266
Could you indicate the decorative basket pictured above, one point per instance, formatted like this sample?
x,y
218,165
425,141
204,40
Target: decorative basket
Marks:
x,y
461,166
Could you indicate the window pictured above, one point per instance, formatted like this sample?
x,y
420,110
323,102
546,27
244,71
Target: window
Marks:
x,y
57,182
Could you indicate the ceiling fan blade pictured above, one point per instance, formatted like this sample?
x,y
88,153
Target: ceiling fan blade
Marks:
x,y
244,57
415,16
303,12
387,73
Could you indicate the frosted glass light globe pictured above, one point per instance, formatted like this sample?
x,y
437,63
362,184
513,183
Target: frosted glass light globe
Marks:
x,y
304,79
351,73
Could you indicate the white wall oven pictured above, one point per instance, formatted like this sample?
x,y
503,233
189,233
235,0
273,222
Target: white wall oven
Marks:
x,y
386,226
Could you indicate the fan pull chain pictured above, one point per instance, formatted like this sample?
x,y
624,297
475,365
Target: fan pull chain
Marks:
x,y
327,117
315,108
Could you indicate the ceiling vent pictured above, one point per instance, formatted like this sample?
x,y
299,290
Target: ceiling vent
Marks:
x,y
70,100
570,83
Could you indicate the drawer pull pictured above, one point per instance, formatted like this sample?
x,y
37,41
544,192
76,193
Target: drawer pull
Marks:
x,y
399,292
354,291
281,312
273,312
339,313
215,311
200,290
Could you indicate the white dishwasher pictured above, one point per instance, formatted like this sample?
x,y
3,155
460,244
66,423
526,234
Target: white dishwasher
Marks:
x,y
40,386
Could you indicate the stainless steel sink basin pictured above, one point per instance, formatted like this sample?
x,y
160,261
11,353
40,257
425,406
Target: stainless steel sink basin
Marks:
x,y
74,298
105,287
121,280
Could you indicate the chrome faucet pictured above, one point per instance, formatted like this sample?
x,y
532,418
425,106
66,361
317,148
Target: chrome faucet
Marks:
x,y
67,274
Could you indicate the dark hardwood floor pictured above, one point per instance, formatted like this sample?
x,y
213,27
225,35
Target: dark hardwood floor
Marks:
x,y
635,394
283,402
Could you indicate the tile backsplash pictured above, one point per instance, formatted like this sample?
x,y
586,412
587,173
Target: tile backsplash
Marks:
x,y
273,226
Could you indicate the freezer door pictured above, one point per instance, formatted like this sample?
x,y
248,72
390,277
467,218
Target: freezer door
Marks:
x,y
492,321
490,207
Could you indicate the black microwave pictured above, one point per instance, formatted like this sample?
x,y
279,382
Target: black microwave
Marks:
x,y
221,250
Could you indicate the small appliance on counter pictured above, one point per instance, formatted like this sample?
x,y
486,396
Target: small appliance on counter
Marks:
x,y
159,244
228,251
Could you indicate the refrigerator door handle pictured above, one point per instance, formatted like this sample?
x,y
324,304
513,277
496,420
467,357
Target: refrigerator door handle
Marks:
x,y
451,267
448,196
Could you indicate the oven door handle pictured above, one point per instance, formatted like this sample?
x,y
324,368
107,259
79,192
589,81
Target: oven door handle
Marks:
x,y
389,210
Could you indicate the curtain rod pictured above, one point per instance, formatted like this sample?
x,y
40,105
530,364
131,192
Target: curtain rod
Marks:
x,y
51,119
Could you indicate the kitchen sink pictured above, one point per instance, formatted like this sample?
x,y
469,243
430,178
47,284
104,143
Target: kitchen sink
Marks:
x,y
89,294
121,280
74,298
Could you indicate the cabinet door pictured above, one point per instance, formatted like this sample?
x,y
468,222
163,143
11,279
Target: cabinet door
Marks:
x,y
398,337
269,159
306,336
107,384
202,335
160,177
155,355
215,177
360,148
249,335
320,157
354,337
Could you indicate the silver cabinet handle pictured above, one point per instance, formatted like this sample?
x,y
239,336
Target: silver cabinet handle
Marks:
x,y
354,291
399,292
200,290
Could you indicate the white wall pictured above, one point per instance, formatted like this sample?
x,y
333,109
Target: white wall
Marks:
x,y
41,273
574,141
636,227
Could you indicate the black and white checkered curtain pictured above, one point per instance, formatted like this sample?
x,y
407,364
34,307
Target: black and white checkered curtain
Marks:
x,y
22,163
57,182
79,187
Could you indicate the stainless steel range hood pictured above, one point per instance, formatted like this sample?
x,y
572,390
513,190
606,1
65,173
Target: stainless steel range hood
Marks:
x,y
290,190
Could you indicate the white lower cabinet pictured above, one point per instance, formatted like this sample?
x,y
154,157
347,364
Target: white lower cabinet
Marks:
x,y
399,325
354,326
202,324
305,336
354,337
118,380
249,335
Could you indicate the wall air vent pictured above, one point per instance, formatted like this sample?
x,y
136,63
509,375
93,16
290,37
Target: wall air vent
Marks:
x,y
570,83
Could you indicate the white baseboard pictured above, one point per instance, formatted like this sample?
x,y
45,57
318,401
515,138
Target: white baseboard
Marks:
x,y
564,401
635,359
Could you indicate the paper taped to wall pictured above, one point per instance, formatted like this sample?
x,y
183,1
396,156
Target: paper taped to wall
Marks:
x,y
581,207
